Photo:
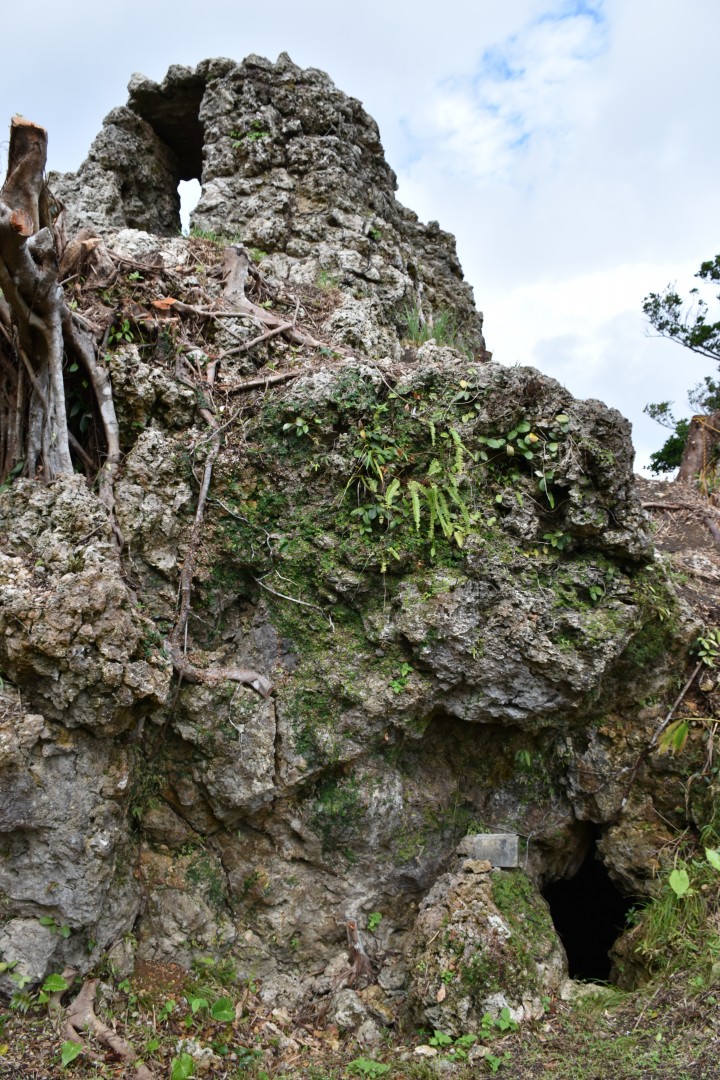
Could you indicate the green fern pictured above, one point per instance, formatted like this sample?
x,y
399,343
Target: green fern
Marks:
x,y
414,489
459,464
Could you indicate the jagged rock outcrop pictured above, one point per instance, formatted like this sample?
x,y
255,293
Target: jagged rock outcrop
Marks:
x,y
291,167
440,563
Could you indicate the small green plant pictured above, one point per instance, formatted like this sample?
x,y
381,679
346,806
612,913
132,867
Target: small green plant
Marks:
x,y
440,327
679,881
255,131
495,1062
54,926
299,427
597,591
135,276
69,1051
439,1038
400,681
524,759
257,255
326,280
223,1010
559,540
12,475
674,930
502,1024
707,647
367,1067
182,1067
373,921
453,1049
674,737
121,333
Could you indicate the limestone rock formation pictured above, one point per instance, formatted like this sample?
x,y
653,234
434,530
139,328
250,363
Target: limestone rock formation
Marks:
x,y
292,168
440,563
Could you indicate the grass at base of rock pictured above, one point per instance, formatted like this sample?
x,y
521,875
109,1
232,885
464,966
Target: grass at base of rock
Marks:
x,y
667,1029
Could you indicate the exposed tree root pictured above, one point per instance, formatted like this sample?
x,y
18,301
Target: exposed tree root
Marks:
x,y
81,1017
176,641
362,969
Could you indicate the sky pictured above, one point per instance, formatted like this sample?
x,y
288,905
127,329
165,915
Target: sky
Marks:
x,y
570,145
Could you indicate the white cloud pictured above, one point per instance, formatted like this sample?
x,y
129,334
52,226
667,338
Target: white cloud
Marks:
x,y
519,94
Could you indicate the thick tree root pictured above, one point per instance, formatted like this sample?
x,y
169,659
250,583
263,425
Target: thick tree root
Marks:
x,y
81,1017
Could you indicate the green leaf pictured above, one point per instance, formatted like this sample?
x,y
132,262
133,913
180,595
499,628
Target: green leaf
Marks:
x,y
713,857
562,418
71,1050
196,1004
673,739
679,882
223,1010
182,1067
55,984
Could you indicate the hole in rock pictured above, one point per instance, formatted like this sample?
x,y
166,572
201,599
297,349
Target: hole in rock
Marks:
x,y
589,913
189,192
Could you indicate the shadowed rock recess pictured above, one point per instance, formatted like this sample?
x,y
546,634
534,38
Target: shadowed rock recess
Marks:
x,y
440,563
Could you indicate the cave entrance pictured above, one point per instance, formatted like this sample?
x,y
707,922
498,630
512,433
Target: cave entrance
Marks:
x,y
589,913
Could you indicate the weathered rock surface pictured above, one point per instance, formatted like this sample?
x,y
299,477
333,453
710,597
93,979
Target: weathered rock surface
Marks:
x,y
441,564
483,941
294,169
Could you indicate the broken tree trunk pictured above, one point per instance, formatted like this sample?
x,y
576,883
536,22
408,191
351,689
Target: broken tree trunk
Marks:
x,y
699,459
33,405
40,335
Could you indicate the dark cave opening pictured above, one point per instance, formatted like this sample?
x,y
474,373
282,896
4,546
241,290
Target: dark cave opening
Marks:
x,y
589,913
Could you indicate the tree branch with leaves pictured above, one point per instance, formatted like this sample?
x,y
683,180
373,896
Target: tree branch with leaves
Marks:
x,y
693,446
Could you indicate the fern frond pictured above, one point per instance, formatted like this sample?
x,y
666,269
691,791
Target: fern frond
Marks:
x,y
443,513
459,464
431,494
453,492
392,490
414,489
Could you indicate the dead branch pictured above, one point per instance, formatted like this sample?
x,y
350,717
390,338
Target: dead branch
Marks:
x,y
263,381
81,1017
668,506
238,349
657,733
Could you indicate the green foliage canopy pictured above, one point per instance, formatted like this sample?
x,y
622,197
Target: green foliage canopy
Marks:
x,y
690,325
